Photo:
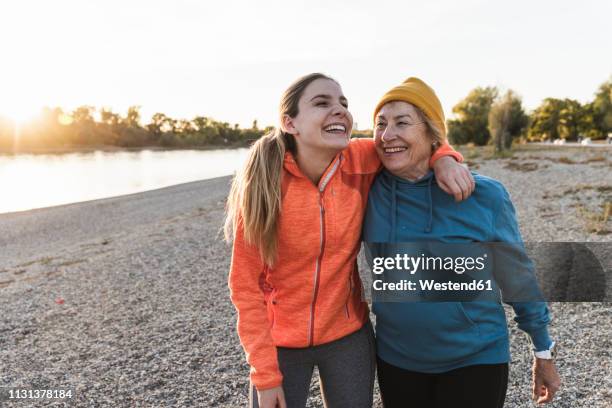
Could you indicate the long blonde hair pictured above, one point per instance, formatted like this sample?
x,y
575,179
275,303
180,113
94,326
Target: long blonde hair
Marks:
x,y
254,200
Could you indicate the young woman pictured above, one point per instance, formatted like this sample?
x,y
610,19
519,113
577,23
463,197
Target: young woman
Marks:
x,y
295,216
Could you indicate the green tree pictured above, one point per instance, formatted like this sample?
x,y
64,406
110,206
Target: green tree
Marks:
x,y
184,126
519,120
560,119
545,120
109,129
160,123
201,122
472,117
507,120
602,110
570,119
132,119
107,116
83,114
83,126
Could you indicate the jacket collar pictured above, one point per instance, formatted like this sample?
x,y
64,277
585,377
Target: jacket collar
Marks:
x,y
290,164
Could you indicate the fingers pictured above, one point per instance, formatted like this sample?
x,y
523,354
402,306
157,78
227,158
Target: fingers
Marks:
x,y
549,392
464,180
464,185
444,187
458,182
271,398
450,187
543,394
469,179
546,395
537,388
468,176
456,190
281,400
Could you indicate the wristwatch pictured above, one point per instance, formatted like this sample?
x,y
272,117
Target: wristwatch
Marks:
x,y
549,354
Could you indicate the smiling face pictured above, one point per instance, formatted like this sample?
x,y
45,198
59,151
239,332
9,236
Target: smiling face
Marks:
x,y
402,141
323,122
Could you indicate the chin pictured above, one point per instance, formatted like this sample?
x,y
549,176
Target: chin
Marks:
x,y
394,166
338,144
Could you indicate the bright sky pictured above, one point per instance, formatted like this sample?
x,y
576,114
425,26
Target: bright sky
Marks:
x,y
231,60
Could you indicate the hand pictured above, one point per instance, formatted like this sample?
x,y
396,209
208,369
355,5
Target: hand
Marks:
x,y
271,398
454,178
546,381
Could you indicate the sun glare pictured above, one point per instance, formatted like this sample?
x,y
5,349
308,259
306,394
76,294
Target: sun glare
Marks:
x,y
20,114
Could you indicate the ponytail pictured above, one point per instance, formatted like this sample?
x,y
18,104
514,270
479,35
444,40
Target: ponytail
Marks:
x,y
255,196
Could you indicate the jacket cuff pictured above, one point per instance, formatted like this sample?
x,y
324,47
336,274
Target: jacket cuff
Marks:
x,y
540,339
265,382
445,150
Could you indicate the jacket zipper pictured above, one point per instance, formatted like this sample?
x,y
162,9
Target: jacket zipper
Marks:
x,y
315,291
317,273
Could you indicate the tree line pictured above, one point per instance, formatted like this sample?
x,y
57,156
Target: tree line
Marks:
x,y
482,117
87,126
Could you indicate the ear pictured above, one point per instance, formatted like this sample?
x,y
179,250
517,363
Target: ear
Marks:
x,y
288,126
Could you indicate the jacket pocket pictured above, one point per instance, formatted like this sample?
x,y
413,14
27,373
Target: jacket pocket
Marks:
x,y
432,333
270,303
466,315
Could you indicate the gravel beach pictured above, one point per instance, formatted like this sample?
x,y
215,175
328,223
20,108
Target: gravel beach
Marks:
x,y
125,300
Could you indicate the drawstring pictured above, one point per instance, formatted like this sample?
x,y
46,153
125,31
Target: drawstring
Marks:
x,y
393,233
428,229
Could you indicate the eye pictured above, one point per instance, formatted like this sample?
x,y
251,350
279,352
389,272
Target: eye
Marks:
x,y
380,125
402,123
322,103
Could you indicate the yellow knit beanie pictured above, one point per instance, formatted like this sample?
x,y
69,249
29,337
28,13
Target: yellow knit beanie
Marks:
x,y
418,93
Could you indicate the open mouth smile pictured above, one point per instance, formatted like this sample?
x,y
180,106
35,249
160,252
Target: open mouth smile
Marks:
x,y
397,149
336,128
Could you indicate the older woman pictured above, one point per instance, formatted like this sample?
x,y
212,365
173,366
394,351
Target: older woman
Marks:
x,y
442,354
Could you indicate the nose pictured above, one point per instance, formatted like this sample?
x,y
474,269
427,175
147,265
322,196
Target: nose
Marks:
x,y
387,135
339,110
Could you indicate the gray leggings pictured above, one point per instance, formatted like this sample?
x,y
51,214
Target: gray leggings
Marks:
x,y
346,371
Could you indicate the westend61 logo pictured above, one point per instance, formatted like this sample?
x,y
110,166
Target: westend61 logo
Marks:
x,y
412,264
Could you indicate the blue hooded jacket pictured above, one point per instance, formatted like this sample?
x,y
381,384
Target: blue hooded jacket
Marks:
x,y
435,337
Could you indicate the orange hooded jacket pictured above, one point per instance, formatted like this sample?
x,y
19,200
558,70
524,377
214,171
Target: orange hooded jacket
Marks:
x,y
313,293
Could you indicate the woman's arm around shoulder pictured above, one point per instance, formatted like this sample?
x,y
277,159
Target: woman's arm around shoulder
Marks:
x,y
453,177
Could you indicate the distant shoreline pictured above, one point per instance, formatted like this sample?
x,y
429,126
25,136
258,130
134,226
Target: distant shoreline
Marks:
x,y
111,148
